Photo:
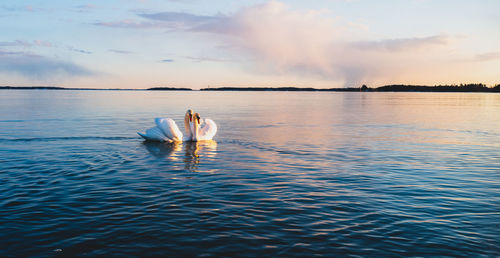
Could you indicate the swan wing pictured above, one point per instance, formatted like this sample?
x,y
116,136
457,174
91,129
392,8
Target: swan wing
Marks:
x,y
208,130
154,134
169,128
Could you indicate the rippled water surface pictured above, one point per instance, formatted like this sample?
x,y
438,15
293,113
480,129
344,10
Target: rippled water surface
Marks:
x,y
289,174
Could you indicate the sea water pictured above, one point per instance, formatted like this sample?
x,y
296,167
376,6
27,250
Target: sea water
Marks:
x,y
289,174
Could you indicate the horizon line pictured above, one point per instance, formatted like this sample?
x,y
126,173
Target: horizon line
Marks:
x,y
470,87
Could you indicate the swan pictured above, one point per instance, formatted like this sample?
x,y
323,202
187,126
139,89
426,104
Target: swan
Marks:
x,y
166,130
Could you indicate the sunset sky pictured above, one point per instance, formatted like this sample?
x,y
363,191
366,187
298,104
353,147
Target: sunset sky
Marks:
x,y
200,43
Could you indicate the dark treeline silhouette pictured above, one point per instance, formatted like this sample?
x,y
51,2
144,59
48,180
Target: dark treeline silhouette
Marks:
x,y
473,87
31,88
276,89
62,88
51,88
168,88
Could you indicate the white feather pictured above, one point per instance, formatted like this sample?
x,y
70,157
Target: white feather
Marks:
x,y
169,128
154,134
208,129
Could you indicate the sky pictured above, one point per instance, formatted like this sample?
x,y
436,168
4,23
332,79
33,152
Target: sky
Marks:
x,y
218,43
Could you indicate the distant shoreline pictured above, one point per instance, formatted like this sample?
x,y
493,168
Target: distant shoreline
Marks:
x,y
56,88
169,88
388,88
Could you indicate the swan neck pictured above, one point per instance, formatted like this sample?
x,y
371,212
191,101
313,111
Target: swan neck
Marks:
x,y
187,126
195,130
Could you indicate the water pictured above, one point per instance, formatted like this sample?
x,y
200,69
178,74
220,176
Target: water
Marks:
x,y
290,174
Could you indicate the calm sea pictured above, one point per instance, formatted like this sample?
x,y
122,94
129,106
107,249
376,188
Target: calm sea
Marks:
x,y
289,174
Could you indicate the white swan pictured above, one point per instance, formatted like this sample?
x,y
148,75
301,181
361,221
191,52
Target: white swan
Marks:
x,y
166,130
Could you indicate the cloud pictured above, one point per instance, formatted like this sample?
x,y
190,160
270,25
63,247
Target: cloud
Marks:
x,y
167,60
207,59
15,43
311,43
163,20
127,24
25,8
280,40
79,50
39,43
117,51
487,56
38,67
403,44
24,43
179,17
283,41
85,7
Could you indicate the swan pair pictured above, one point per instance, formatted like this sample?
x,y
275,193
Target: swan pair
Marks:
x,y
166,130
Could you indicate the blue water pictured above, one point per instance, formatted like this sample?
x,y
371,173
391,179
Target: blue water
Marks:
x,y
289,174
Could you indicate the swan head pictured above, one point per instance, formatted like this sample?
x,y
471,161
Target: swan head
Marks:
x,y
189,115
197,118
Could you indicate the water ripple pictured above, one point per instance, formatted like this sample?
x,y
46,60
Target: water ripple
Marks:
x,y
72,138
360,184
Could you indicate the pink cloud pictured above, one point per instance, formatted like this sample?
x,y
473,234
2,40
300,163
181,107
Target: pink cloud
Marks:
x,y
280,40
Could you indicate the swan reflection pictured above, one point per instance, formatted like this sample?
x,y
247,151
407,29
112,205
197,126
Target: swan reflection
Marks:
x,y
163,149
193,151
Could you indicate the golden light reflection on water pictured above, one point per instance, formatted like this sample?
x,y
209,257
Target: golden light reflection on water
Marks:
x,y
278,127
194,152
442,118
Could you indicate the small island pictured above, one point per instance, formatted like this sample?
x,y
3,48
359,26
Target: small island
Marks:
x,y
31,88
169,88
63,88
54,88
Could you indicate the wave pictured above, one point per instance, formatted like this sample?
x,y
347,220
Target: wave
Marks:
x,y
271,148
79,138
